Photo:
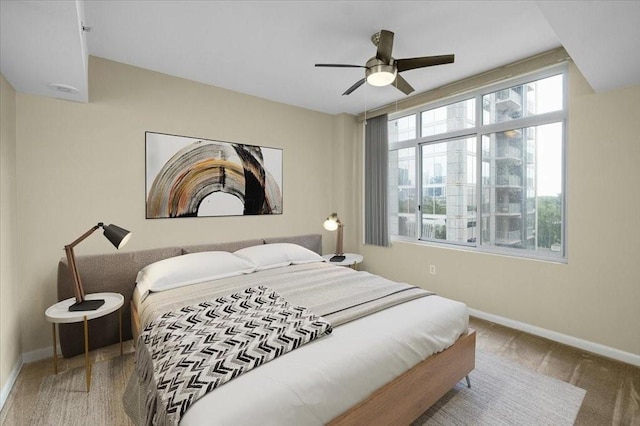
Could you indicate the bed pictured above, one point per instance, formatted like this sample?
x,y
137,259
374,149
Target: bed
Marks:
x,y
381,364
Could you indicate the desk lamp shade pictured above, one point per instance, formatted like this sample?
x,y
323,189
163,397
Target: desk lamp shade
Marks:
x,y
118,237
331,224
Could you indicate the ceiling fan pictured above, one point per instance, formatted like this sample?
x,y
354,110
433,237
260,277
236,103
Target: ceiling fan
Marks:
x,y
383,69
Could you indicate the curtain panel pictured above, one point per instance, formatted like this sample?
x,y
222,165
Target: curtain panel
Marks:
x,y
376,170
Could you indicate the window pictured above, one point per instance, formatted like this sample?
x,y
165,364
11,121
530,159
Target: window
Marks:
x,y
448,201
461,115
402,129
402,191
484,170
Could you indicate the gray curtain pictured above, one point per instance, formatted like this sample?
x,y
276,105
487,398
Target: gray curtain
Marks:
x,y
376,166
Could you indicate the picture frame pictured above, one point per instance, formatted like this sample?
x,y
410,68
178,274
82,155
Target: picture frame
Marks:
x,y
197,177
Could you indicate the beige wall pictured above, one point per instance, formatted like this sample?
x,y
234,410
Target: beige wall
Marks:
x,y
10,348
78,164
345,181
596,295
83,163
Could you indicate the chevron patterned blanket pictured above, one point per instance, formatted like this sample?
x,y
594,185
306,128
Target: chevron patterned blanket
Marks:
x,y
188,352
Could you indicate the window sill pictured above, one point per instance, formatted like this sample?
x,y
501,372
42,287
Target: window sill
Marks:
x,y
480,250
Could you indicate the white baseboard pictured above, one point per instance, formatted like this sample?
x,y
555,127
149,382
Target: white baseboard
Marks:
x,y
27,357
585,345
39,354
6,389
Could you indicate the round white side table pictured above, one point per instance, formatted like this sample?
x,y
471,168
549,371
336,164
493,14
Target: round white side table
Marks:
x,y
59,313
350,259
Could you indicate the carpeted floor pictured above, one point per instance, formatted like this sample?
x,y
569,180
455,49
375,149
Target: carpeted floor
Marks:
x,y
63,398
501,393
613,388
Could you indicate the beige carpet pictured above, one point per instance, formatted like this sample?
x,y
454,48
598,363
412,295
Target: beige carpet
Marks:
x,y
502,393
63,398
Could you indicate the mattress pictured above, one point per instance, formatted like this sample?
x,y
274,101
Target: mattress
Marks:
x,y
322,379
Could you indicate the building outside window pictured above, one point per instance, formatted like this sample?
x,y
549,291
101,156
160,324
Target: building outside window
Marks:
x,y
484,170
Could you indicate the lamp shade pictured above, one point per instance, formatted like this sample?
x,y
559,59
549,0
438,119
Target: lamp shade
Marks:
x,y
332,222
118,236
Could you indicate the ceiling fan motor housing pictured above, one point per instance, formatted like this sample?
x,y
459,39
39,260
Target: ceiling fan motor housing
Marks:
x,y
379,73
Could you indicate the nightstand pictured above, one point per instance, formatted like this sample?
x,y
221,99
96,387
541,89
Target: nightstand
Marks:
x,y
350,259
59,313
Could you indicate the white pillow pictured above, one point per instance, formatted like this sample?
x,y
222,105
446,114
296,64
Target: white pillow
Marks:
x,y
298,254
264,256
268,256
190,268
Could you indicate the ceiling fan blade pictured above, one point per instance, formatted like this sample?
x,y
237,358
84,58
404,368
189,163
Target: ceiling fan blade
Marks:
x,y
340,66
425,61
354,87
402,85
385,46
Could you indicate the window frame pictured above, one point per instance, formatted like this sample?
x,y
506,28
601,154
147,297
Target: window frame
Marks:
x,y
478,131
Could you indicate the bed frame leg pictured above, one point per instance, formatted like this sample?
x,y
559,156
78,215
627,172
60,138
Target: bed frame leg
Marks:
x,y
468,381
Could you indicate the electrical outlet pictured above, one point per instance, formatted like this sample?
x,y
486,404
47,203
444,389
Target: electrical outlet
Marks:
x,y
432,269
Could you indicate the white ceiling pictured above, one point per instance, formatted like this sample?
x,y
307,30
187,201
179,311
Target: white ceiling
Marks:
x,y
268,48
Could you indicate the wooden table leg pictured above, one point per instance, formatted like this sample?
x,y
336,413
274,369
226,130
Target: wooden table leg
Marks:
x,y
55,350
87,365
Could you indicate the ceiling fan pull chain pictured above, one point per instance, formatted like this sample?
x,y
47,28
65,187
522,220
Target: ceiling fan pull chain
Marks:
x,y
395,84
365,103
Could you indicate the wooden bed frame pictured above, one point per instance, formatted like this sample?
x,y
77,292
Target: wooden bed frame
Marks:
x,y
405,398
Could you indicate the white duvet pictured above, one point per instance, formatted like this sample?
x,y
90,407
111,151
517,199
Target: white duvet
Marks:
x,y
321,380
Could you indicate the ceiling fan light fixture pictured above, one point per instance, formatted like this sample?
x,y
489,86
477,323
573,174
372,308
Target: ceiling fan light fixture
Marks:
x,y
381,75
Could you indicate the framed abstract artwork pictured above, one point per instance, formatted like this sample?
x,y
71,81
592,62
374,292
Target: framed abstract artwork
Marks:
x,y
194,177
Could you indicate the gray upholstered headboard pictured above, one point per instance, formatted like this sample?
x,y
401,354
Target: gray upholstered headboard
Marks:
x,y
116,272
